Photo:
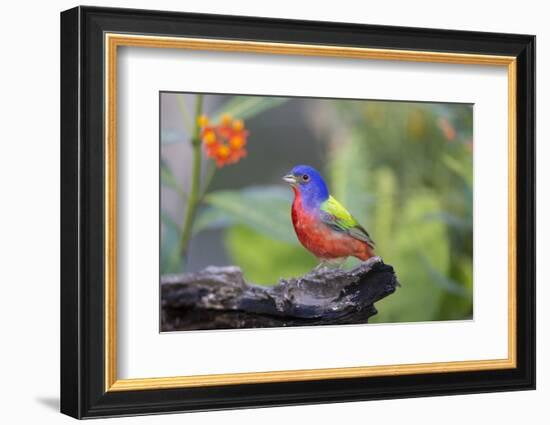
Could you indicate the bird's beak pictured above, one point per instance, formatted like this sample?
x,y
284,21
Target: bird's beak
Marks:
x,y
290,179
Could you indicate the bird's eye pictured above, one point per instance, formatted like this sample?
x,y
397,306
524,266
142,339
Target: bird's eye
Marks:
x,y
305,177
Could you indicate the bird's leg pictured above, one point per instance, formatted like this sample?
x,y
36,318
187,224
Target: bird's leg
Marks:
x,y
337,263
323,264
330,263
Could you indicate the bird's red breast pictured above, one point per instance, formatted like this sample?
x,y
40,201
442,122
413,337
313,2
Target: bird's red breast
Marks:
x,y
320,239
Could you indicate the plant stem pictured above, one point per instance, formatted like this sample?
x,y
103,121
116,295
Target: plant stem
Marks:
x,y
194,193
208,179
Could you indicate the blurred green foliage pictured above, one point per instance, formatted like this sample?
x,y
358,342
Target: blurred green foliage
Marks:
x,y
415,163
404,170
266,259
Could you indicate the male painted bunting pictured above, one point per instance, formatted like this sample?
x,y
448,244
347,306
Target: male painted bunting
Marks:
x,y
322,224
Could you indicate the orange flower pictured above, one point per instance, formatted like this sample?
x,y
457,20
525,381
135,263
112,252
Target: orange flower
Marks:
x,y
447,129
203,121
226,119
225,142
236,142
209,137
238,125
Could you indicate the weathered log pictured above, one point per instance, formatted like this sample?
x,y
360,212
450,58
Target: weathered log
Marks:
x,y
219,298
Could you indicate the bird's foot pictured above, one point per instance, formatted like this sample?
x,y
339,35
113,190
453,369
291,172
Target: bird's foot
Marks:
x,y
333,263
319,267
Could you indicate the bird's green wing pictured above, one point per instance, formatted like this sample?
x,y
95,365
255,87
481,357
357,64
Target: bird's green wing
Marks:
x,y
335,215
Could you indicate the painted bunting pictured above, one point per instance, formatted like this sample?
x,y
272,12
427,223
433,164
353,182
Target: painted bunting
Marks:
x,y
322,224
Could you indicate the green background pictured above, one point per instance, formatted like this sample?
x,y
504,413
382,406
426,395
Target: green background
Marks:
x,y
403,169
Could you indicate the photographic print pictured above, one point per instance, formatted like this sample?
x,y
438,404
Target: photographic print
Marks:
x,y
290,211
299,228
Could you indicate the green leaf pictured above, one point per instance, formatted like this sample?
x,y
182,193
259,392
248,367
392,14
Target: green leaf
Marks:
x,y
462,168
265,209
246,107
169,222
455,307
443,281
168,179
450,219
170,262
211,218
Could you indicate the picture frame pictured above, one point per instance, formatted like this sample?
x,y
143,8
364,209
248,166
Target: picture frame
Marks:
x,y
90,40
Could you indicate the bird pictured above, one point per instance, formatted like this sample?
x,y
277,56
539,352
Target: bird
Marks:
x,y
322,224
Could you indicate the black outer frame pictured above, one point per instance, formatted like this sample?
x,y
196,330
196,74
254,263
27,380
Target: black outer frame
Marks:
x,y
82,219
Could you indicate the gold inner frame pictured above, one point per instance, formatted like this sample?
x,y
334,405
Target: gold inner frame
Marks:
x,y
113,41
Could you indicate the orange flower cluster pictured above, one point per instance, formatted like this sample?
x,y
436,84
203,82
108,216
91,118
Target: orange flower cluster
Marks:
x,y
225,143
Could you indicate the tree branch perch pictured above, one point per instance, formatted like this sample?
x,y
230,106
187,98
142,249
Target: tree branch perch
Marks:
x,y
219,298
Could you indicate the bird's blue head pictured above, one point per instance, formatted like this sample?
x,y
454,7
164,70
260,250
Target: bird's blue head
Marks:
x,y
309,183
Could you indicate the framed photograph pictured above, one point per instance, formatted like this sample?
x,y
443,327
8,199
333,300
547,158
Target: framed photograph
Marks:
x,y
261,212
